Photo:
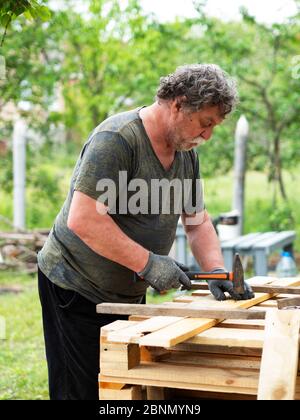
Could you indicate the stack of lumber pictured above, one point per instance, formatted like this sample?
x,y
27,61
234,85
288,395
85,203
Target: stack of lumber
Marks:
x,y
166,357
18,250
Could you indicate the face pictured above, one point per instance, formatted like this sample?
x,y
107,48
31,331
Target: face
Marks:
x,y
188,130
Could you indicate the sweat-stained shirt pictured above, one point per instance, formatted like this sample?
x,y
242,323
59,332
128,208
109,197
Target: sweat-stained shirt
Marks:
x,y
120,143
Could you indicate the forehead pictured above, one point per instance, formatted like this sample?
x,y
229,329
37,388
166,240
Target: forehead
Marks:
x,y
211,113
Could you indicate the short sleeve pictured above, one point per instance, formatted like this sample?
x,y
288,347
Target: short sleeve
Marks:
x,y
195,202
105,165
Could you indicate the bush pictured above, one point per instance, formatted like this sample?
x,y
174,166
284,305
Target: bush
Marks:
x,y
281,218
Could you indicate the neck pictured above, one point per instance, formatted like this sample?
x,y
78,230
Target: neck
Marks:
x,y
154,118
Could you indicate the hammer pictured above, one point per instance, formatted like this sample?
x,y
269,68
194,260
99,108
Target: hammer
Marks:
x,y
236,276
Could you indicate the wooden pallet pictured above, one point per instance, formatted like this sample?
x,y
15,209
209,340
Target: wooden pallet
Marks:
x,y
165,357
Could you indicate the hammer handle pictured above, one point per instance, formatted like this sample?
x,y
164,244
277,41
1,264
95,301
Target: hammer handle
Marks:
x,y
194,275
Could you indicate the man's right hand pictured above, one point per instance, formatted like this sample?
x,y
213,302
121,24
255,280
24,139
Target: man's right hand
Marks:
x,y
163,273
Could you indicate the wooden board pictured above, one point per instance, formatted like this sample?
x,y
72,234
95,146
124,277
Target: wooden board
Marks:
x,y
176,333
133,333
187,328
257,324
261,280
207,307
232,337
181,385
201,289
280,356
180,374
133,392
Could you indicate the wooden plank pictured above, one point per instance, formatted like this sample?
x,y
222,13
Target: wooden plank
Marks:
x,y
199,288
261,280
111,385
176,333
123,356
260,284
183,385
138,317
115,326
187,328
228,389
186,346
133,392
272,304
283,303
133,333
180,374
206,395
210,302
280,356
155,393
215,310
231,337
257,324
223,361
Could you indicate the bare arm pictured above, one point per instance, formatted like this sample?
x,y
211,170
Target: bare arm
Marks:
x,y
204,242
89,225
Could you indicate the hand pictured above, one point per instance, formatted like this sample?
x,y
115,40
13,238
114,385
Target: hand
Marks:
x,y
163,273
218,287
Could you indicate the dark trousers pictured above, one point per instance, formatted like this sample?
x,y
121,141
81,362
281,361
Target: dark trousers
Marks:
x,y
72,341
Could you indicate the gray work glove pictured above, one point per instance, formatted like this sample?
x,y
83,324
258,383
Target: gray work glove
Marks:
x,y
163,273
218,287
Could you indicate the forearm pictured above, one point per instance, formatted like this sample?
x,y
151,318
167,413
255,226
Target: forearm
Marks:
x,y
205,245
100,233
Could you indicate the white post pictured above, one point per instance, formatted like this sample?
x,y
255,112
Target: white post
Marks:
x,y
241,137
19,168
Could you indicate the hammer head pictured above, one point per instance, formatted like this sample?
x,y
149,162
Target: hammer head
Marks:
x,y
238,275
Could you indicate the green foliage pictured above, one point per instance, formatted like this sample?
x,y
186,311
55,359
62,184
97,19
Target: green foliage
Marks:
x,y
281,218
32,9
11,9
6,176
260,57
111,59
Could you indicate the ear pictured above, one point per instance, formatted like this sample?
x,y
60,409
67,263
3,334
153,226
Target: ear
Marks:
x,y
177,103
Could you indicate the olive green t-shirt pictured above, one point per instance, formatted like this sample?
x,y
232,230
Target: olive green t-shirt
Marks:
x,y
120,151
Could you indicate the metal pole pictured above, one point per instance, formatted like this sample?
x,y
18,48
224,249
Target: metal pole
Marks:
x,y
181,243
19,170
241,137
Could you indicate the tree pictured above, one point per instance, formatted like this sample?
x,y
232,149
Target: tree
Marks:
x,y
112,61
11,9
261,56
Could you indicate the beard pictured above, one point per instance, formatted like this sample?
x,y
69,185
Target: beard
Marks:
x,y
181,145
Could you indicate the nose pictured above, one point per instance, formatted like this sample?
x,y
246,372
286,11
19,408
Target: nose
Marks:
x,y
207,133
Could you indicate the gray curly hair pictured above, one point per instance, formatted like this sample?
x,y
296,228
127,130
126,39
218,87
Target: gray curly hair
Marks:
x,y
200,85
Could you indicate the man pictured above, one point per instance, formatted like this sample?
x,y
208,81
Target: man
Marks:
x,y
104,250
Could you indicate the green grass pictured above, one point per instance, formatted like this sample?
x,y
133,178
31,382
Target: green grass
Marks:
x,y
23,372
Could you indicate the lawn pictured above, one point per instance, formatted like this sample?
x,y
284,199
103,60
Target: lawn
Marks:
x,y
23,372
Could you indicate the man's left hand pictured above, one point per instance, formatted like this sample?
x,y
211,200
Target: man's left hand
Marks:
x,y
218,287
